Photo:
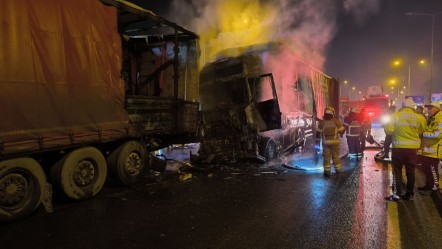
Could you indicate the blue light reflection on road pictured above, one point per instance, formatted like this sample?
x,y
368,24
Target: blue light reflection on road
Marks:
x,y
318,193
305,162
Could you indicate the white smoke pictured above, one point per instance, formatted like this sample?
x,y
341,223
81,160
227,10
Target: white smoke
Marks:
x,y
306,26
360,9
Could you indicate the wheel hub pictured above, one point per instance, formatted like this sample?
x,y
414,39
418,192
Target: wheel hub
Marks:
x,y
13,188
84,173
133,164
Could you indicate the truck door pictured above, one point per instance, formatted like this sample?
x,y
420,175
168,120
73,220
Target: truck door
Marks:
x,y
264,98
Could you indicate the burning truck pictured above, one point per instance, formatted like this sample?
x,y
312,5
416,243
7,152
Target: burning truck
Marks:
x,y
238,104
252,108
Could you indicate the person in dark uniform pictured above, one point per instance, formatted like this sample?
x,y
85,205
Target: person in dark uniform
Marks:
x,y
353,131
365,122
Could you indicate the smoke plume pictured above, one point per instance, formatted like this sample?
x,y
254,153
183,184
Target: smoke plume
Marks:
x,y
305,26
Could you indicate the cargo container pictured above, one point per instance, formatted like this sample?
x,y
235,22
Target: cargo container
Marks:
x,y
88,89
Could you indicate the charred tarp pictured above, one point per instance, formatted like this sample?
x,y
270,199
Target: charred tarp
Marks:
x,y
160,72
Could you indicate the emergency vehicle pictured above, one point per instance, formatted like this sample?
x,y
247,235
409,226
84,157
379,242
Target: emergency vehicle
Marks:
x,y
375,103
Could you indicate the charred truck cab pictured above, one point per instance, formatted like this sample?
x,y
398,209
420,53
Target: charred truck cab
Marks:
x,y
240,116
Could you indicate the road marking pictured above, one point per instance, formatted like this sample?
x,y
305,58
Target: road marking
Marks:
x,y
393,232
371,209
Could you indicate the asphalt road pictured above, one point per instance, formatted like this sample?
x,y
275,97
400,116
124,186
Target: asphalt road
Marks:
x,y
243,206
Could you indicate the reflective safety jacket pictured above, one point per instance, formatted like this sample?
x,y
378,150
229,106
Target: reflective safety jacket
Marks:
x,y
330,130
406,127
432,137
354,129
353,125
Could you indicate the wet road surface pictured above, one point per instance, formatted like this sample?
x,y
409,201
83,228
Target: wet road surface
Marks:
x,y
240,207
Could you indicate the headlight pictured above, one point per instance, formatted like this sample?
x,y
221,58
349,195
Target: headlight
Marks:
x,y
385,119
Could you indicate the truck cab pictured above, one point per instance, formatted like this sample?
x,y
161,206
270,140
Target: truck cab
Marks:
x,y
238,105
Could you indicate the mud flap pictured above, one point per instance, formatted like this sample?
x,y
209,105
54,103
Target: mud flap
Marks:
x,y
47,198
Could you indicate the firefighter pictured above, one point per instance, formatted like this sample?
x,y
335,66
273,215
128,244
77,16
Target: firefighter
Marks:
x,y
431,147
353,130
365,134
406,126
328,129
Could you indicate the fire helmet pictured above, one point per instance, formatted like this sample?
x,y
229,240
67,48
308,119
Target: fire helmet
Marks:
x,y
330,110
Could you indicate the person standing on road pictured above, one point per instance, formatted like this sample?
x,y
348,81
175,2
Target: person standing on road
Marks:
x,y
420,110
431,147
328,129
353,130
406,126
365,122
385,154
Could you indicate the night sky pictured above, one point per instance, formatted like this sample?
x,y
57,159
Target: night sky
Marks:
x,y
363,53
361,38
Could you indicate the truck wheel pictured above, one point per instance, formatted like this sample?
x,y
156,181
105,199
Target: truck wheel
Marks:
x,y
22,181
268,149
127,163
80,174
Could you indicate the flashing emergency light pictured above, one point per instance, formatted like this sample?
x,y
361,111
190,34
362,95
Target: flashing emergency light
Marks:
x,y
385,119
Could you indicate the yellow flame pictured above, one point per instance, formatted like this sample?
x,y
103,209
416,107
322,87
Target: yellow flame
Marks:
x,y
239,23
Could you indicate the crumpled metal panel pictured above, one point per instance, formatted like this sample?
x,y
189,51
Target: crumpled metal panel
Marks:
x,y
226,136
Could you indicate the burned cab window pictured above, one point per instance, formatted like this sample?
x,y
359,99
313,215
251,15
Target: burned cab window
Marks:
x,y
218,94
262,89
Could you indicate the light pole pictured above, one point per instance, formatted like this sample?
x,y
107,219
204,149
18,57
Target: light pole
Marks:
x,y
340,88
409,74
432,41
352,88
398,63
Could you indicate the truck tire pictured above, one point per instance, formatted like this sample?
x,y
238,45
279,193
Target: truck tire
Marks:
x,y
22,181
268,149
127,163
80,174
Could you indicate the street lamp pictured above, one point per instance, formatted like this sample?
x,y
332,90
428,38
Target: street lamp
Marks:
x,y
340,90
398,63
432,41
352,88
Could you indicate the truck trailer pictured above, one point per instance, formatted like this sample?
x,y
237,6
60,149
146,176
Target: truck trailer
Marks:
x,y
88,89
